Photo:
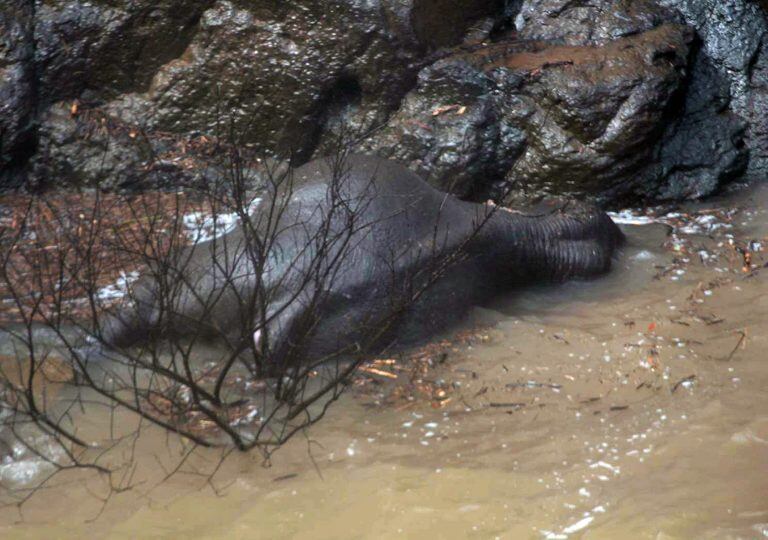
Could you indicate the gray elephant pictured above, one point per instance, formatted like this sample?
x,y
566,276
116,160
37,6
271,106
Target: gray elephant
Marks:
x,y
358,254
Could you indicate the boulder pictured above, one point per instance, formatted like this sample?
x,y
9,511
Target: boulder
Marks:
x,y
85,149
734,37
598,112
89,149
588,23
703,148
452,129
535,118
615,100
277,73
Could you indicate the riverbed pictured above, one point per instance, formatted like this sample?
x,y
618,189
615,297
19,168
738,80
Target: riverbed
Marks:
x,y
632,406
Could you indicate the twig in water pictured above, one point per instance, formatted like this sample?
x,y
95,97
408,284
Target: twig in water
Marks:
x,y
741,344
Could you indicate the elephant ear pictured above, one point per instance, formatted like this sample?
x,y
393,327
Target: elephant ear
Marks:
x,y
134,319
282,340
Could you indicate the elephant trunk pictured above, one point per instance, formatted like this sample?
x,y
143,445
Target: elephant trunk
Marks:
x,y
575,241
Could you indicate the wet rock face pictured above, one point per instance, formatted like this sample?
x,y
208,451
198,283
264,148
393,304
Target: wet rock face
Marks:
x,y
615,100
80,152
274,79
610,99
442,23
108,47
17,90
734,38
550,119
281,71
596,121
704,147
452,129
92,149
588,23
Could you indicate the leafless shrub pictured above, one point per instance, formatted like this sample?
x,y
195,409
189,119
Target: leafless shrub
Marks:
x,y
239,374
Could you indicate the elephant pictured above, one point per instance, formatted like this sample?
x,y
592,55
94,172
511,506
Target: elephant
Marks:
x,y
359,253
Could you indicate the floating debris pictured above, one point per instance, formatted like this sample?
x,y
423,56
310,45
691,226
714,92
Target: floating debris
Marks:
x,y
685,382
507,405
534,384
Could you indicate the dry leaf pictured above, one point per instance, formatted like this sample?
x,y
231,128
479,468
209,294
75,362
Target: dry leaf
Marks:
x,y
444,109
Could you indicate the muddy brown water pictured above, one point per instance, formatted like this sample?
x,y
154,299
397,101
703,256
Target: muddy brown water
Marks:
x,y
633,406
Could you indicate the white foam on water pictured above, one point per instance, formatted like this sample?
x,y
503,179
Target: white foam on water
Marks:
x,y
203,227
579,525
629,217
119,288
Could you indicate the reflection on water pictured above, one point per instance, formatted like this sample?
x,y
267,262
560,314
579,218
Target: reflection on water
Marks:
x,y
633,406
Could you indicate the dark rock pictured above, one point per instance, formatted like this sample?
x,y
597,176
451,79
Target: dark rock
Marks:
x,y
279,72
81,150
442,23
17,86
734,36
556,119
596,121
588,23
610,103
109,47
703,148
451,130
90,149
757,115
601,98
274,72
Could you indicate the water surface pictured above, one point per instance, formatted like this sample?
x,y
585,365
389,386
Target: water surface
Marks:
x,y
633,406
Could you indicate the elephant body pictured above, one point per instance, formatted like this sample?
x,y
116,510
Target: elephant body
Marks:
x,y
361,253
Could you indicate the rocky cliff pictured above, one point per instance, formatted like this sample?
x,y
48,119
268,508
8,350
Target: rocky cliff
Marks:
x,y
612,99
